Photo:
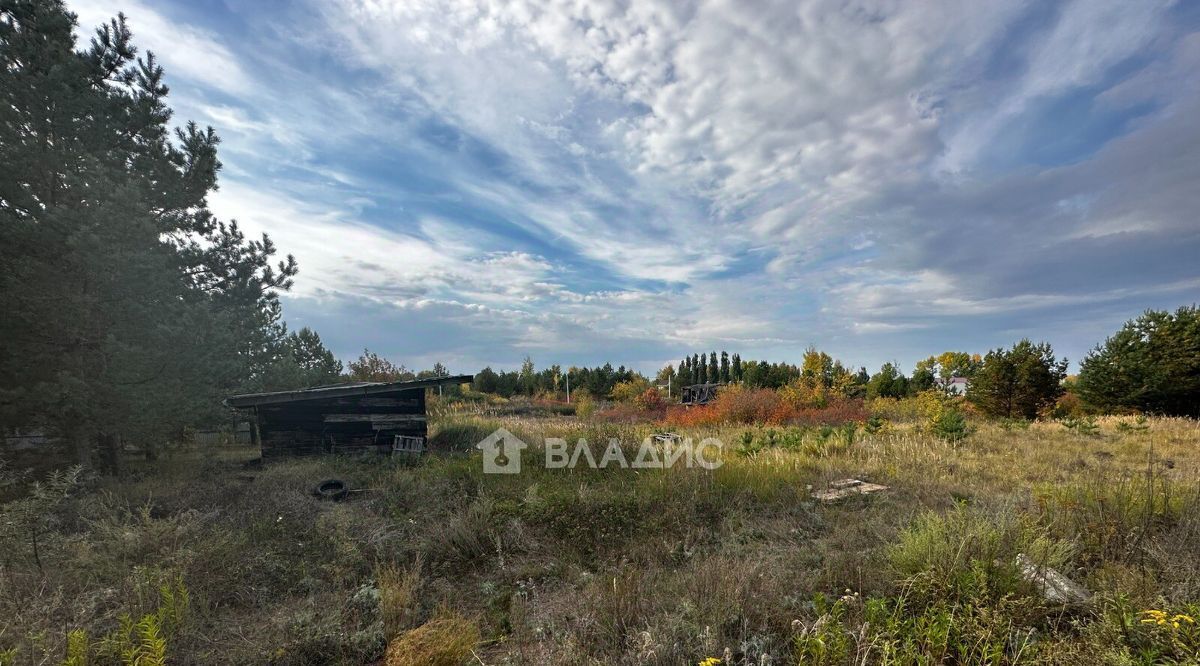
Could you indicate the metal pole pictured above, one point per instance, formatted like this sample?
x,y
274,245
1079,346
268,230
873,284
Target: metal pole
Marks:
x,y
568,387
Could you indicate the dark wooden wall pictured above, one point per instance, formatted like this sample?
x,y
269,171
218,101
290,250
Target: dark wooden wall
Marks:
x,y
340,425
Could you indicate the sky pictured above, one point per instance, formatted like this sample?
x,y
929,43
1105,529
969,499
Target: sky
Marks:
x,y
470,182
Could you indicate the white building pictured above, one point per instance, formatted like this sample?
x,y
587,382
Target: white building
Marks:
x,y
954,385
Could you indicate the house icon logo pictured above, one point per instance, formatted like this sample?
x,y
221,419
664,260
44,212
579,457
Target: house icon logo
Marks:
x,y
501,452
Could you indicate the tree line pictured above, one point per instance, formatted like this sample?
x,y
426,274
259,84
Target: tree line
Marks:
x,y
1151,365
554,380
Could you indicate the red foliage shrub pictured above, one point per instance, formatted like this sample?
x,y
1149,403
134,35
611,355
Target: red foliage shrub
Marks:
x,y
650,400
764,406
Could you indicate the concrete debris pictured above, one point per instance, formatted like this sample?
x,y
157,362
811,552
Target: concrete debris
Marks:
x,y
843,488
1054,586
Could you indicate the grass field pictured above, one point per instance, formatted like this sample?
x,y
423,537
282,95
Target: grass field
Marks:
x,y
211,561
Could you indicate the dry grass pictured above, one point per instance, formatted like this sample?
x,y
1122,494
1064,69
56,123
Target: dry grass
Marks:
x,y
633,566
446,641
399,600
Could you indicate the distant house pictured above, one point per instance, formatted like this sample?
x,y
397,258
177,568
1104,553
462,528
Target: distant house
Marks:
x,y
342,418
954,385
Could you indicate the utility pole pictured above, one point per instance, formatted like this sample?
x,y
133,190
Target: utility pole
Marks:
x,y
568,387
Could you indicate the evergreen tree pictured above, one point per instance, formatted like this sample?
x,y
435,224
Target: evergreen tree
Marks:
x,y
1019,382
486,381
310,354
1151,365
302,362
371,367
129,310
714,369
698,372
725,366
889,382
737,367
924,375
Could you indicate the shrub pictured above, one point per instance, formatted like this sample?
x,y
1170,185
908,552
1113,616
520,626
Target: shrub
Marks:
x,y
1137,425
445,641
942,417
968,555
630,390
1112,516
826,640
737,404
1067,405
950,425
1081,425
892,409
649,400
584,405
890,630
875,425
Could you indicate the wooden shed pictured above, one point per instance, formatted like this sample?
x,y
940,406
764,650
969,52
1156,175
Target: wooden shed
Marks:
x,y
342,418
699,394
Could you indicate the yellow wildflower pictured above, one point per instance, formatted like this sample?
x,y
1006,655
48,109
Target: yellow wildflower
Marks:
x,y
1163,619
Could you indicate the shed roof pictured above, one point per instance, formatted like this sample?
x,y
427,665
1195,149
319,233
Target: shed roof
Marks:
x,y
341,391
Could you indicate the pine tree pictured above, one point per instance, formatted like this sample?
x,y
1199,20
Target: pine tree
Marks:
x,y
1019,382
714,369
1151,365
725,366
737,367
129,310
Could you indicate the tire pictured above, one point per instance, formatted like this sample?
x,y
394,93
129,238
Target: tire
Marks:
x,y
331,489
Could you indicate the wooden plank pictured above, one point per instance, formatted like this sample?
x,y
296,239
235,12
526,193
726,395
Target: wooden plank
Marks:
x,y
374,418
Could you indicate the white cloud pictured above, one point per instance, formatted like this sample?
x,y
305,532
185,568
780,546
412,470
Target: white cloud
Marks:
x,y
665,173
186,52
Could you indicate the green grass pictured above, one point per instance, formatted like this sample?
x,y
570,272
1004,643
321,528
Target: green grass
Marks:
x,y
628,566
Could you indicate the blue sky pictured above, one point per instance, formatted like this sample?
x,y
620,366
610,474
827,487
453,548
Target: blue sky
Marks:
x,y
471,181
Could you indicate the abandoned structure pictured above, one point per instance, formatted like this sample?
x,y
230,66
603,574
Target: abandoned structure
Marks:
x,y
384,417
699,394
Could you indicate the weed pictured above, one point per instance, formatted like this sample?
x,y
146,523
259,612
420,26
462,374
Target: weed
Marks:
x,y
969,554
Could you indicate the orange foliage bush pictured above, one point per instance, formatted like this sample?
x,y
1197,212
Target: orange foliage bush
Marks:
x,y
649,400
765,406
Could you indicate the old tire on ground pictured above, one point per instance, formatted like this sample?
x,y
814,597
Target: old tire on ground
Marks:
x,y
331,489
